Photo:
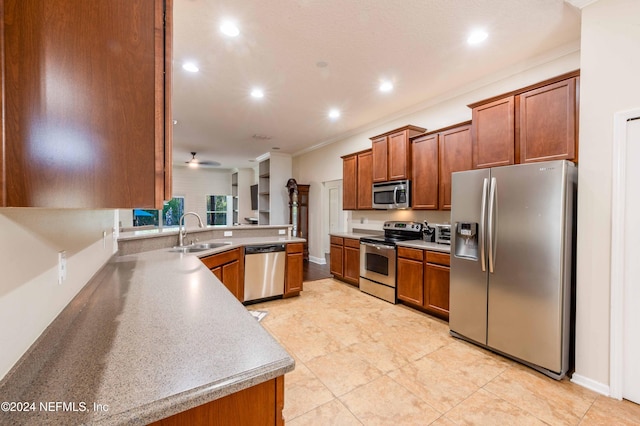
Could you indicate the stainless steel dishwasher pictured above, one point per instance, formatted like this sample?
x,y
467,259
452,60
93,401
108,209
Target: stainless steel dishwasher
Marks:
x,y
263,271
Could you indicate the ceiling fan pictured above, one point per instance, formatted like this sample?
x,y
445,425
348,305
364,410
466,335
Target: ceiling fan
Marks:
x,y
194,162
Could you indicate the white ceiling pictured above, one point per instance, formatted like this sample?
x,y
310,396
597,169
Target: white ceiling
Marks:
x,y
420,45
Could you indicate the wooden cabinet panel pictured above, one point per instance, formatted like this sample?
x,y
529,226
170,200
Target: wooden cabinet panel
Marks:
x,y
493,133
228,267
231,278
410,253
294,277
392,153
547,122
379,160
349,182
438,258
399,162
365,180
424,190
410,281
86,126
455,149
352,242
265,399
436,284
335,255
351,264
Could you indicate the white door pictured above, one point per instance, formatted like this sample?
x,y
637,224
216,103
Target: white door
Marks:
x,y
334,215
631,319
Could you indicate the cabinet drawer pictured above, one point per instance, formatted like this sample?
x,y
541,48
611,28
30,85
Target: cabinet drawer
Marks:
x,y
295,248
350,242
219,259
337,240
438,258
410,253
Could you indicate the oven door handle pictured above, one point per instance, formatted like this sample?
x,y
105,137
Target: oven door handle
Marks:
x,y
378,246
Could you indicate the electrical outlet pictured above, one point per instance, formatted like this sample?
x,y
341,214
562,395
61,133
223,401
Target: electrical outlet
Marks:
x,y
62,266
228,233
281,231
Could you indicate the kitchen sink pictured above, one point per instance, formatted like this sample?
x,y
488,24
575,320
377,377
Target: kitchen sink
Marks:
x,y
197,247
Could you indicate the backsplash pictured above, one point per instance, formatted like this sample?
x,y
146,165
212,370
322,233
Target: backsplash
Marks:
x,y
374,219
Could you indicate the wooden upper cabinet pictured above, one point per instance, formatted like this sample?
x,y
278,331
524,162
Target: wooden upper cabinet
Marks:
x,y
392,154
493,133
86,103
357,181
547,122
424,156
379,162
365,180
349,182
455,149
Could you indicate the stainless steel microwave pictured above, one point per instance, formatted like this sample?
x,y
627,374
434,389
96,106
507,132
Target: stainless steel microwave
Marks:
x,y
392,195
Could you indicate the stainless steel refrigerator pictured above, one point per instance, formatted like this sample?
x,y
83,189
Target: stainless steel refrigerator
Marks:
x,y
512,248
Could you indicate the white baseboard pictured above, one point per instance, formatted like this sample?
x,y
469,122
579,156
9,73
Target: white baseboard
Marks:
x,y
588,383
318,260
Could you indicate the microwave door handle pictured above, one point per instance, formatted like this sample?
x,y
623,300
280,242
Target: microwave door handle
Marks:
x,y
395,196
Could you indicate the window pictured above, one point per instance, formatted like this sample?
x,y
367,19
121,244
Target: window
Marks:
x,y
171,213
144,217
219,209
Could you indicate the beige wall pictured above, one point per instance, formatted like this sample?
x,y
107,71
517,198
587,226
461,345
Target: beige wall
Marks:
x,y
195,184
609,83
30,296
324,164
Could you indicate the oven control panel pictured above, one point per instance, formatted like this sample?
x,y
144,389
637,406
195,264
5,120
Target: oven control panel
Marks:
x,y
403,226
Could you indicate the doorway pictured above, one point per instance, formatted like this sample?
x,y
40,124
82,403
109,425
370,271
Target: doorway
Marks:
x,y
625,270
335,218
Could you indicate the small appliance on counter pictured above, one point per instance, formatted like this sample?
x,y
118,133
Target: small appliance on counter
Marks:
x,y
443,233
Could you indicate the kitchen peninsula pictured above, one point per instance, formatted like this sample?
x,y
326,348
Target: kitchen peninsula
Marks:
x,y
152,335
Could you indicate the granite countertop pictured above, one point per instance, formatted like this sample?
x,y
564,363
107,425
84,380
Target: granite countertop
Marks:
x,y
151,335
445,248
355,235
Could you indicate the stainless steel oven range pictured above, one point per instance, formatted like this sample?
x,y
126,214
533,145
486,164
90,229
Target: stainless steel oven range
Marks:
x,y
378,258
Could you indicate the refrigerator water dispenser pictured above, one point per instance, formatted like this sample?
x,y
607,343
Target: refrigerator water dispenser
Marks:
x,y
466,240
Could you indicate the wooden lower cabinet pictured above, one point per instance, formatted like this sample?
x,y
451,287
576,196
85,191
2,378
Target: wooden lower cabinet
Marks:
x,y
423,280
335,256
294,268
351,261
345,259
229,268
261,404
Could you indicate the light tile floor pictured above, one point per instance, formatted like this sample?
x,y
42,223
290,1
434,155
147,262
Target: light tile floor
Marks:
x,y
360,360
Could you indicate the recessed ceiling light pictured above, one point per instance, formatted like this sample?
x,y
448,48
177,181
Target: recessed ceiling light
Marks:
x,y
190,66
334,114
229,29
477,37
257,93
386,86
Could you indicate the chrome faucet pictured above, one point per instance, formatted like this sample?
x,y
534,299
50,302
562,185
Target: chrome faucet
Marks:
x,y
182,228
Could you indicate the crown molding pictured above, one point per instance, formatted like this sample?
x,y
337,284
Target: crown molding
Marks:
x,y
580,4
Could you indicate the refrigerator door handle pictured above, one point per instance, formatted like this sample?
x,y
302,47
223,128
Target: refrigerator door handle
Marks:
x,y
490,229
483,222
